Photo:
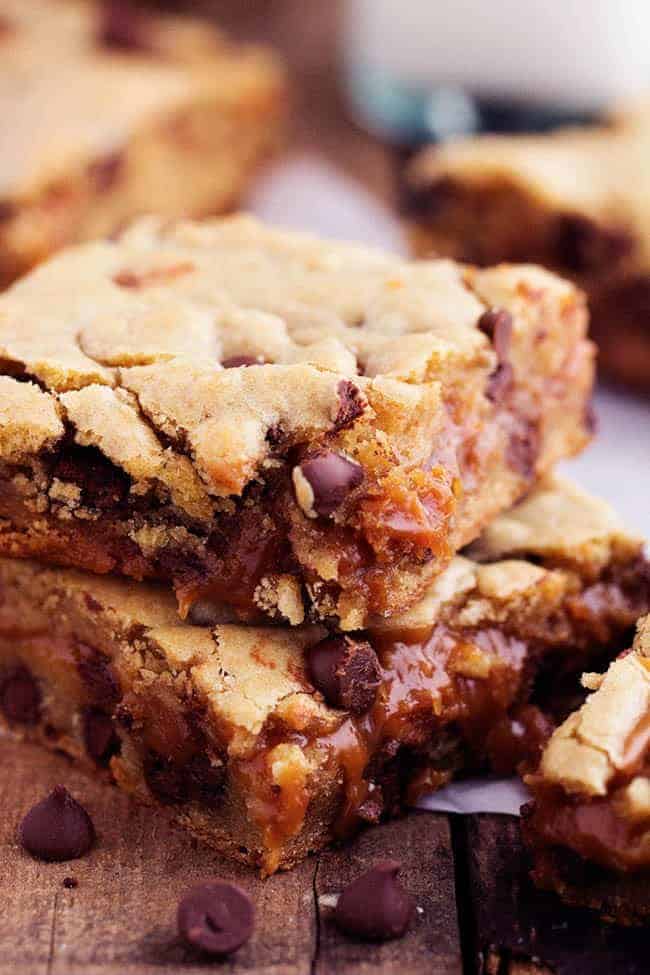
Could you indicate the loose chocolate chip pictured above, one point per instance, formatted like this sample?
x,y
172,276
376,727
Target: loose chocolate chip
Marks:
x,y
345,671
123,28
235,361
99,736
330,478
351,404
216,917
97,674
20,697
375,906
57,828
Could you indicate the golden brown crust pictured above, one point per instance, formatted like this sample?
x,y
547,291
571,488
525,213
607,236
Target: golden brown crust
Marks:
x,y
129,350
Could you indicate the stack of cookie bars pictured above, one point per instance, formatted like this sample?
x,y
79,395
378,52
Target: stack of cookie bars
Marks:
x,y
282,545
296,438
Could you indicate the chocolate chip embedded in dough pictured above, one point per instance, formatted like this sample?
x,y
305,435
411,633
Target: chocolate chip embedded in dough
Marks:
x,y
20,697
57,828
345,671
216,917
105,172
97,674
351,404
99,736
123,28
375,906
323,480
523,449
497,325
238,361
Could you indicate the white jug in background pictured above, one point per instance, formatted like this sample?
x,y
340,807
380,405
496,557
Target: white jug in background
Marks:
x,y
567,56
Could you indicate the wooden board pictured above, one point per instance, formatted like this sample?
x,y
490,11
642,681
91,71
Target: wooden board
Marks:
x,y
513,929
121,916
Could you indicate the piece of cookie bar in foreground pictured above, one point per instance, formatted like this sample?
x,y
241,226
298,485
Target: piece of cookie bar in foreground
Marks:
x,y
269,743
574,200
275,422
589,824
107,113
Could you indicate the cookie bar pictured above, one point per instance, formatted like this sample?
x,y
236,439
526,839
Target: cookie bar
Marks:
x,y
276,422
107,113
224,726
576,201
589,823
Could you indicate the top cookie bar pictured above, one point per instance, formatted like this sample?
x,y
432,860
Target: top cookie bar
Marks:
x,y
274,422
106,113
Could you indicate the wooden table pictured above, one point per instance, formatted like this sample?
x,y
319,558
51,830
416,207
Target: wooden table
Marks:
x,y
477,911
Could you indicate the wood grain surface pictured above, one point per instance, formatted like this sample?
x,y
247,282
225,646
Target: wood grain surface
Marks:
x,y
477,912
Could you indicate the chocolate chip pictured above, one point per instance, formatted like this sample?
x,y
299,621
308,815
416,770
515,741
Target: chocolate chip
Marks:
x,y
57,828
499,382
428,201
103,485
375,906
523,449
216,917
104,173
97,674
197,780
99,736
8,210
235,361
123,28
591,419
345,671
497,325
351,404
20,697
70,883
91,603
329,478
582,245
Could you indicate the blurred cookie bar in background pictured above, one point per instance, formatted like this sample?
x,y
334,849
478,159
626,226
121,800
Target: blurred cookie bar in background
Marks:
x,y
107,111
576,200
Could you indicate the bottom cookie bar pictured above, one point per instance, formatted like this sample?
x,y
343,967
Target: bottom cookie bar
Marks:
x,y
589,824
223,723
